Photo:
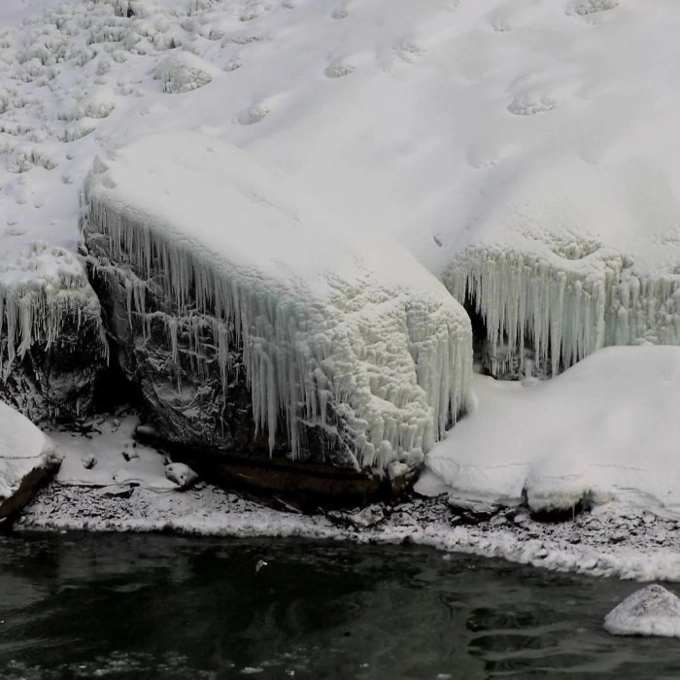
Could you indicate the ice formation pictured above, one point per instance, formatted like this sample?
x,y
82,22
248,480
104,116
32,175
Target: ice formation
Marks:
x,y
39,291
330,321
569,268
653,610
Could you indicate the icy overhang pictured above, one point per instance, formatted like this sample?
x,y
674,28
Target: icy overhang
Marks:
x,y
573,256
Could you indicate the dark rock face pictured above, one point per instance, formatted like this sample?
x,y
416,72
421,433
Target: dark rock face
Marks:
x,y
56,382
201,416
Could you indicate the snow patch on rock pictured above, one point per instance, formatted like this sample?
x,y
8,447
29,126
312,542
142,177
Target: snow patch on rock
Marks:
x,y
23,448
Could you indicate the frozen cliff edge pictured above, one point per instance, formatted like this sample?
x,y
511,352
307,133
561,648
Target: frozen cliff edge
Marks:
x,y
222,279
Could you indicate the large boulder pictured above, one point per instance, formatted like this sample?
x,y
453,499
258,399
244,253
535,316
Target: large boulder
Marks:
x,y
253,323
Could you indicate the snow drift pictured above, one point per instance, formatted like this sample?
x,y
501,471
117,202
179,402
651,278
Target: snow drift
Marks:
x,y
606,428
338,329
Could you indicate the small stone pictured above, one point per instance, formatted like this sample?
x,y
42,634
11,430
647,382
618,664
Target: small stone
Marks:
x,y
89,461
181,474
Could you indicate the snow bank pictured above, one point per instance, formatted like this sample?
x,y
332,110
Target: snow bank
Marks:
x,y
23,448
650,611
606,428
331,321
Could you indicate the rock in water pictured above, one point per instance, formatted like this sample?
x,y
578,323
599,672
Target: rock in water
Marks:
x,y
27,459
650,611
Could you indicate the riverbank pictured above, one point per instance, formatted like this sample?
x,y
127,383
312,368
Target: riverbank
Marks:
x,y
614,540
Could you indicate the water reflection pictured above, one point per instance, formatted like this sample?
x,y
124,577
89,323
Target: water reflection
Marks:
x,y
136,606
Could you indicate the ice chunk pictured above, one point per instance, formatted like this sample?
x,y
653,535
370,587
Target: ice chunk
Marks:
x,y
653,610
333,323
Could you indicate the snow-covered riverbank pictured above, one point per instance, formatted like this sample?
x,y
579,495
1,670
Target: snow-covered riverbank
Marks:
x,y
614,540
109,483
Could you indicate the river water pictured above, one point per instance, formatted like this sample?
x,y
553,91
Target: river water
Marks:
x,y
156,606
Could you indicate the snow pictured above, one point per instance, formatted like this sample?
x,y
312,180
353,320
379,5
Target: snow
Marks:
x,y
23,448
605,429
328,316
117,460
653,610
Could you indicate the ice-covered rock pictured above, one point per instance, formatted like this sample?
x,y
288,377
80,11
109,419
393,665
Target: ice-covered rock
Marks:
x,y
242,310
568,262
52,347
27,459
653,610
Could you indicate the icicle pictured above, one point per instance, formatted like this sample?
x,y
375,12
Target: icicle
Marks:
x,y
565,310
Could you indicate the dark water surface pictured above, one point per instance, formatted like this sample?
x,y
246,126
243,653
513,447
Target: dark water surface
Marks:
x,y
138,606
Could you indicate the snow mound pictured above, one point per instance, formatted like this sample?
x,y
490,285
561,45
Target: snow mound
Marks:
x,y
333,323
653,610
606,428
183,72
23,447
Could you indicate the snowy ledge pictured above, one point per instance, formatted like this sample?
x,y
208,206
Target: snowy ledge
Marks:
x,y
569,262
